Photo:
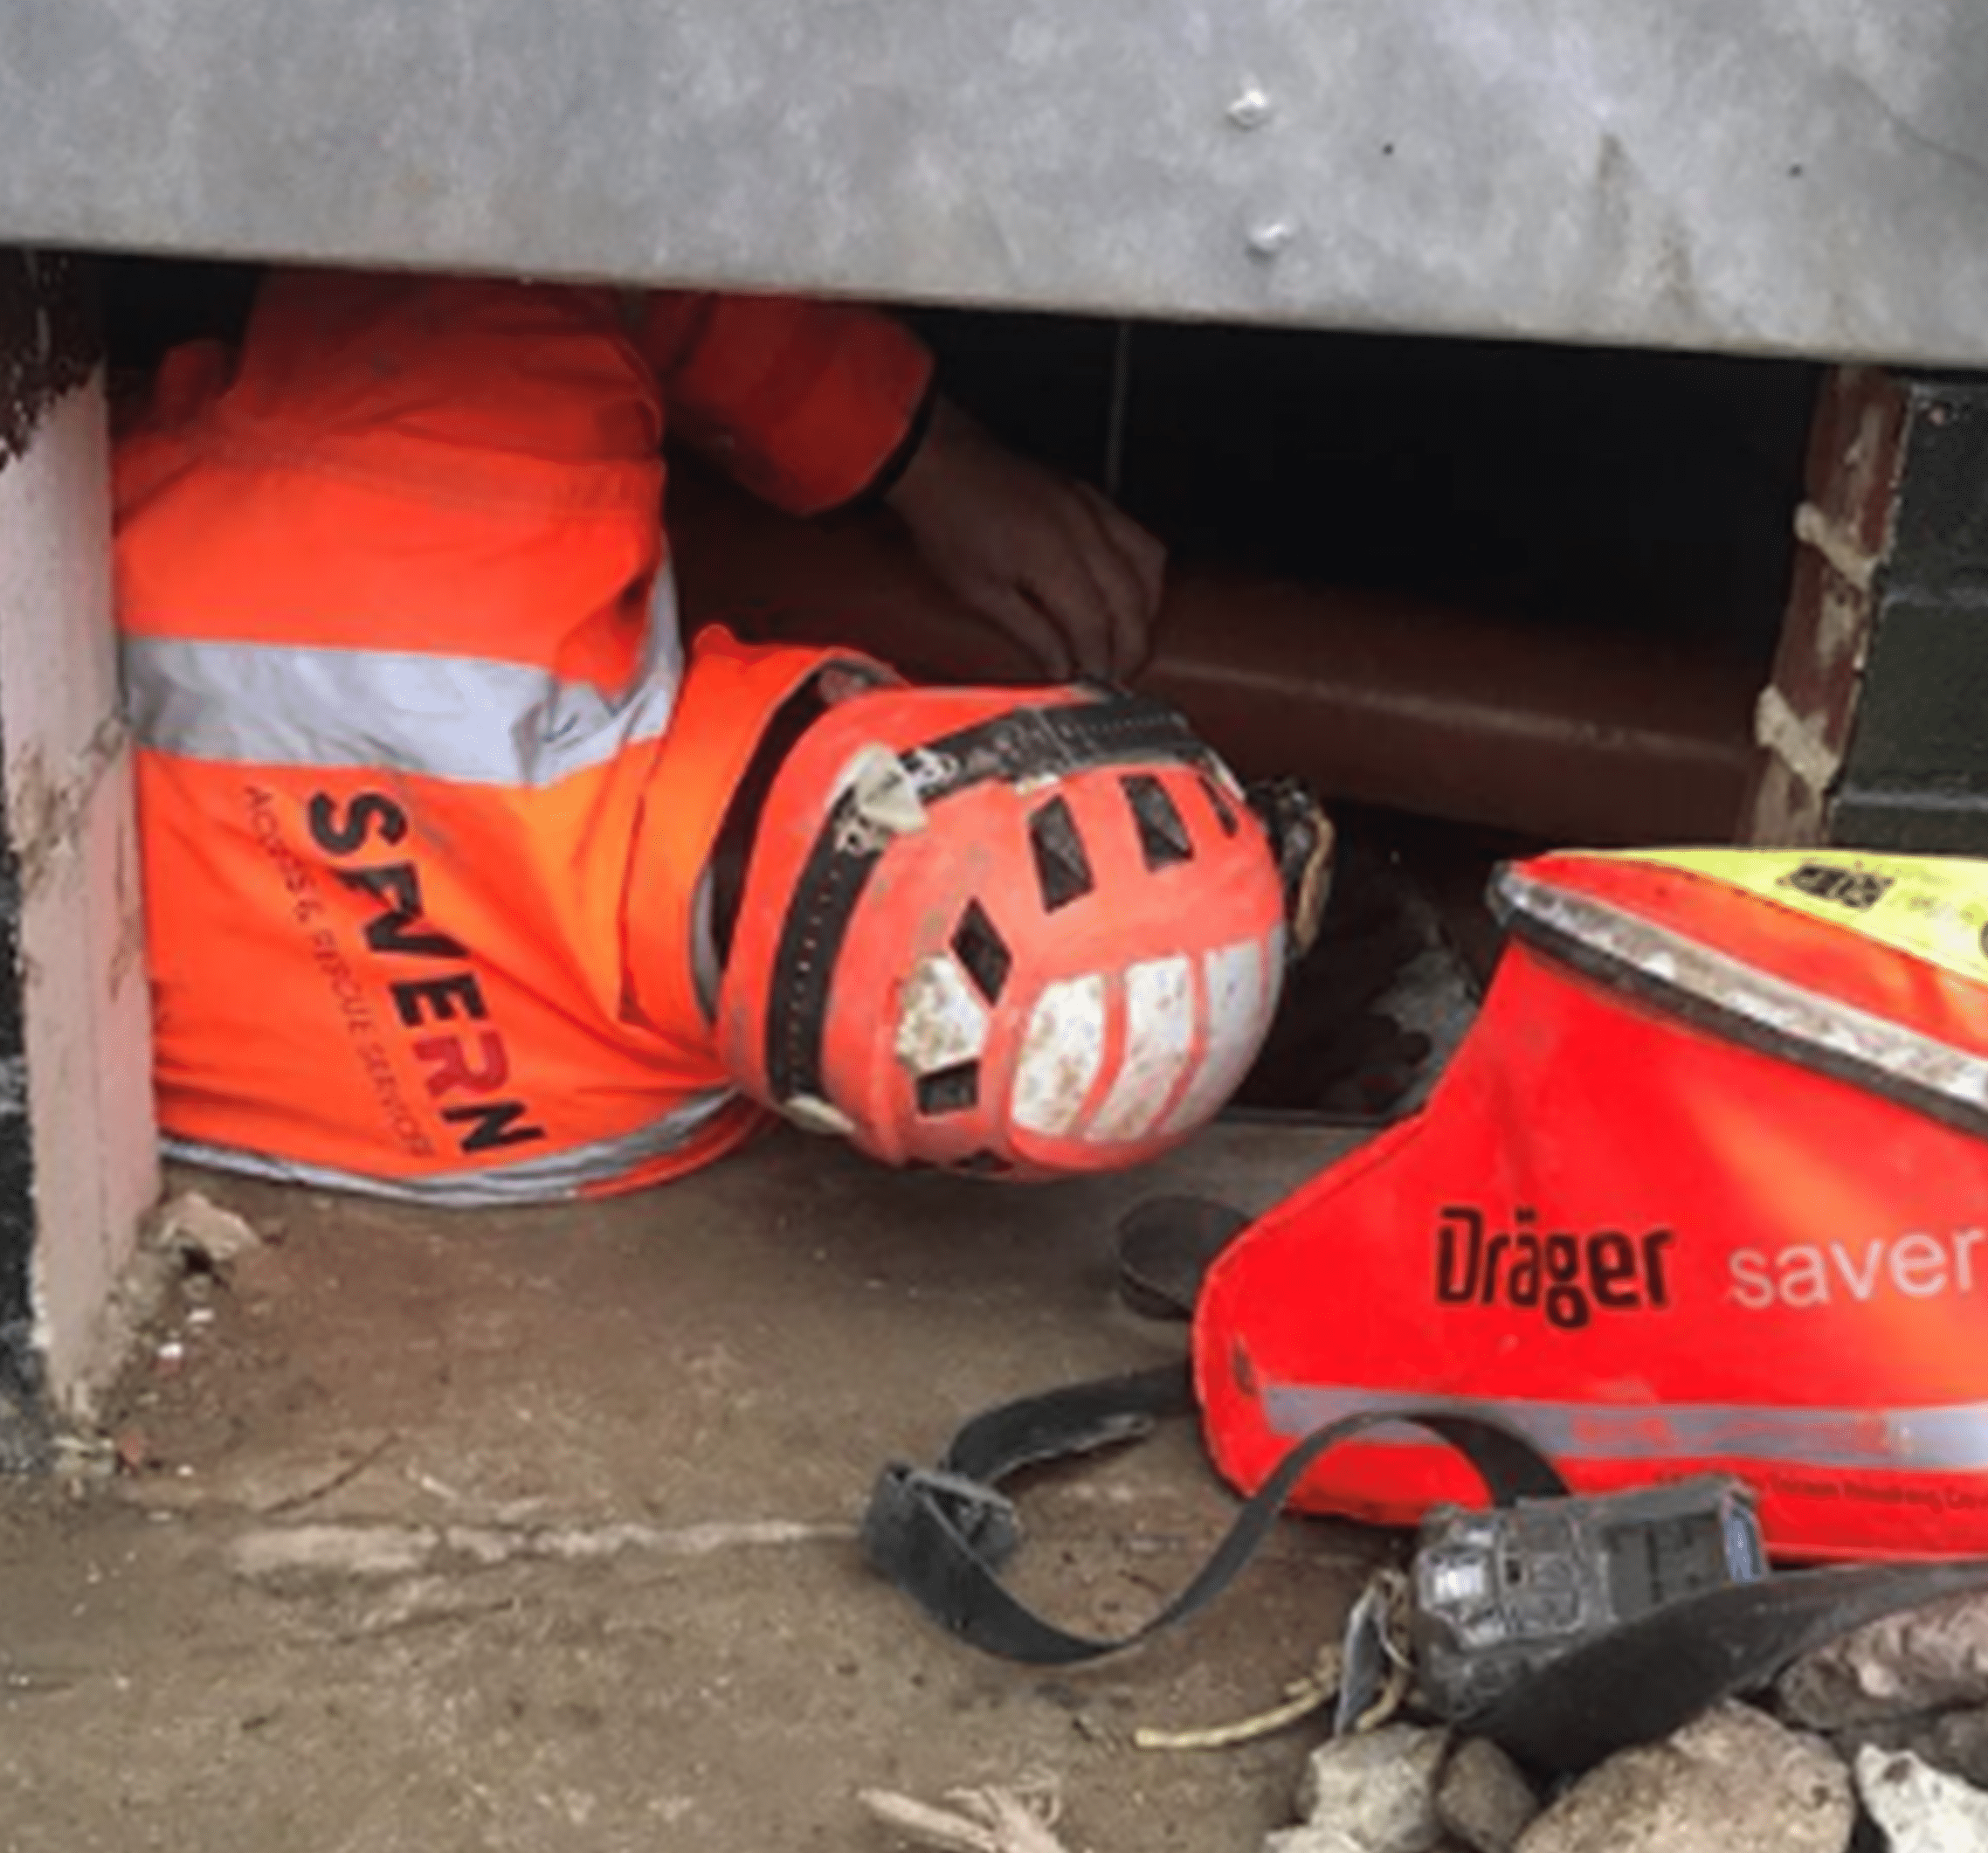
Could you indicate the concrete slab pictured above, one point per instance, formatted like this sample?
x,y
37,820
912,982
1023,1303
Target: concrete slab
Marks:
x,y
535,1529
1789,175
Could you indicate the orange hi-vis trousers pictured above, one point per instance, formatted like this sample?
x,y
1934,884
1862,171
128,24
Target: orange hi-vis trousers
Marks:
x,y
426,787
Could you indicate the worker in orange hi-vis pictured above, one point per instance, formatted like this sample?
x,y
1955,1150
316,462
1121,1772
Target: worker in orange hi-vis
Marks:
x,y
464,887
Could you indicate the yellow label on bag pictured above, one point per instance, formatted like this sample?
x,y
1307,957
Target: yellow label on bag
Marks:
x,y
1935,908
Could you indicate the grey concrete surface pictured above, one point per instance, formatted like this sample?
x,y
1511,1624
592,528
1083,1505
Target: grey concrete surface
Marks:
x,y
535,1530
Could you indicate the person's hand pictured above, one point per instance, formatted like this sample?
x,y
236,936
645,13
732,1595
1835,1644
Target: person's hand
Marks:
x,y
1052,562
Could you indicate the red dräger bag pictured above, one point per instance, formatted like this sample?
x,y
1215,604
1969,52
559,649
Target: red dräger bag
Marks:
x,y
1705,1188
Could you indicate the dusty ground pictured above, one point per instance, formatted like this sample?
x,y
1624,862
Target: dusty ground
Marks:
x,y
536,1531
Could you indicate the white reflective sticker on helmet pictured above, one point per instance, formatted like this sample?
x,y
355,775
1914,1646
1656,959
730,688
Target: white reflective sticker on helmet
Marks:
x,y
1061,1054
941,1022
883,801
883,793
1159,1040
1243,983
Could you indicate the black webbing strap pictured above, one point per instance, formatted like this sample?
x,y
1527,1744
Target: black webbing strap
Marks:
x,y
1166,1246
941,1534
1645,1679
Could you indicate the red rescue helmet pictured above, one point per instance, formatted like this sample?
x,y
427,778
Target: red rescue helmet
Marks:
x,y
1020,933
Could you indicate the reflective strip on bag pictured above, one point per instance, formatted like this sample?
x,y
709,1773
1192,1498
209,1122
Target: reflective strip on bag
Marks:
x,y
1933,908
546,1178
1703,985
1940,1438
473,720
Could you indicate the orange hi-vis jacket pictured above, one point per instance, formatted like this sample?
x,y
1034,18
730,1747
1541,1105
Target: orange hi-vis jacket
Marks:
x,y
426,788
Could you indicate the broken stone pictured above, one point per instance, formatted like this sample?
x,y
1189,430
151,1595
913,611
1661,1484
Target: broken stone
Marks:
x,y
1311,1838
1921,1810
1482,1799
81,1457
202,1233
1732,1782
1921,1659
1314,1839
1376,1792
1954,1741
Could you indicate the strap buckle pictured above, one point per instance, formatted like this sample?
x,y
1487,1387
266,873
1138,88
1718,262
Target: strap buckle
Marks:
x,y
982,1517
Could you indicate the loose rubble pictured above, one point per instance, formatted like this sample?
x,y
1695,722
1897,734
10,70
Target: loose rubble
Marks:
x,y
1922,1660
1905,1700
1956,1741
1732,1782
1483,1799
1374,1793
1920,1809
1902,1703
1879,1743
203,1235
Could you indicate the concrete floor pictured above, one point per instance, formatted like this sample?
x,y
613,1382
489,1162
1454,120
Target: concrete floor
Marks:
x,y
535,1530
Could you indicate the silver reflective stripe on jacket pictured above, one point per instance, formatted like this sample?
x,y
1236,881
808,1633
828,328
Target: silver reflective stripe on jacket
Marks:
x,y
549,1179
471,719
1942,1438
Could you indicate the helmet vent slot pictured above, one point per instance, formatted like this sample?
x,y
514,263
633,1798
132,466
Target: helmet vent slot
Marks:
x,y
1062,870
1225,812
949,1090
1162,832
978,946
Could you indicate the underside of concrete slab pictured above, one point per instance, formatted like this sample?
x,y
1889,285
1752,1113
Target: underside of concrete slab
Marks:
x,y
1792,175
